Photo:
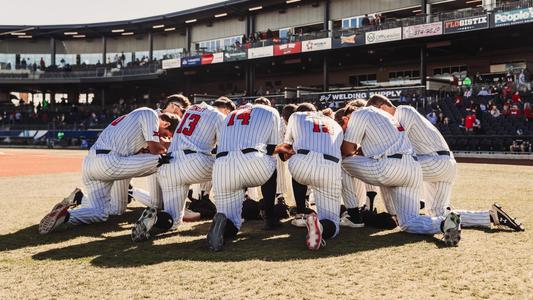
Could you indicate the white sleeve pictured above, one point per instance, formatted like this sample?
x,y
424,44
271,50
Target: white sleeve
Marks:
x,y
275,138
356,127
289,135
150,125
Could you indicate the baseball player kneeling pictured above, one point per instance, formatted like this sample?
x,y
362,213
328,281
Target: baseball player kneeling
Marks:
x,y
115,156
192,163
248,140
316,140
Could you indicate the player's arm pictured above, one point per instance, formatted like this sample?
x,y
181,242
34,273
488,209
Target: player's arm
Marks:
x,y
150,128
348,149
156,148
354,134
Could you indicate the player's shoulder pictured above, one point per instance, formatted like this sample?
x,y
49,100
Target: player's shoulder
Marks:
x,y
144,111
266,108
406,108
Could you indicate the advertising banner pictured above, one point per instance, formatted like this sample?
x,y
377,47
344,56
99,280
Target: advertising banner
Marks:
x,y
422,30
349,41
171,63
235,56
391,93
290,48
381,36
191,61
466,24
260,52
212,58
517,16
316,45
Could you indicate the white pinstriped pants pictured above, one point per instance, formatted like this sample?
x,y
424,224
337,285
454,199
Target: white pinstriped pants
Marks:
x,y
353,190
324,177
402,178
99,173
439,174
176,177
119,195
235,172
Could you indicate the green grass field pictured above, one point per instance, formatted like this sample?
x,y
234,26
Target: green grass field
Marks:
x,y
100,261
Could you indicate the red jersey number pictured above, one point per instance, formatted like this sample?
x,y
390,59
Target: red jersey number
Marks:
x,y
117,120
243,115
192,120
318,127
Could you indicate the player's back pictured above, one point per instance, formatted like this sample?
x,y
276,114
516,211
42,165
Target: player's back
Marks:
x,y
250,127
198,129
377,133
316,132
129,133
424,137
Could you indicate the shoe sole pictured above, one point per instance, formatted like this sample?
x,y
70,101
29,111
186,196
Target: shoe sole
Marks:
x,y
215,236
351,225
299,224
452,236
48,223
69,200
139,231
313,226
518,225
194,218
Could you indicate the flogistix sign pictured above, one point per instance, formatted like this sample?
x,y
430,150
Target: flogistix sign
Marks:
x,y
466,24
517,16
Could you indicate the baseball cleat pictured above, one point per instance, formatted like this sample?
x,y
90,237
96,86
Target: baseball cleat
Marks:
x,y
54,218
314,239
299,220
130,194
501,218
191,216
215,236
353,220
451,227
74,198
141,229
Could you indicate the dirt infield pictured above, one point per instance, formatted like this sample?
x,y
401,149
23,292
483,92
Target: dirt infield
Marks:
x,y
20,162
100,261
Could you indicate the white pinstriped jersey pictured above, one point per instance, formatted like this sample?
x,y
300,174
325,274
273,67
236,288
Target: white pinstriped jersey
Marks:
x,y
250,127
424,137
377,133
198,130
129,133
316,132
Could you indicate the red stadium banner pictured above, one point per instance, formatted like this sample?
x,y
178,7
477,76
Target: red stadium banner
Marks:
x,y
290,48
212,58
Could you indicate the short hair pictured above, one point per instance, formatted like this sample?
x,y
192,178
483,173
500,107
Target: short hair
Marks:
x,y
262,100
378,100
179,99
344,112
225,102
306,106
288,110
328,112
173,119
358,103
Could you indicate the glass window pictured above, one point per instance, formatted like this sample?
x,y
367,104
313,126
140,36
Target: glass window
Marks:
x,y
90,58
6,59
283,33
116,57
65,59
36,58
345,24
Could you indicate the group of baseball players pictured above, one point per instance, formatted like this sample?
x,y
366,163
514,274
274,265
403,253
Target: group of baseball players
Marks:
x,y
227,153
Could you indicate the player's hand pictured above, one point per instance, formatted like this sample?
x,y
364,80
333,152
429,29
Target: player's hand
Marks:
x,y
165,142
286,150
156,148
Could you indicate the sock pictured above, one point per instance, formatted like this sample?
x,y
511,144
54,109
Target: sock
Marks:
x,y
299,191
328,229
230,231
67,217
269,195
164,221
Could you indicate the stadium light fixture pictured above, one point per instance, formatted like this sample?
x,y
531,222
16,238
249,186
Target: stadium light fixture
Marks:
x,y
117,30
255,8
170,29
127,33
79,35
417,11
443,1
472,1
18,33
191,21
158,26
221,15
24,36
292,1
70,33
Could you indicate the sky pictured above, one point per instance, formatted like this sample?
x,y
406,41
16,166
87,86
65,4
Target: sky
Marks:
x,y
51,12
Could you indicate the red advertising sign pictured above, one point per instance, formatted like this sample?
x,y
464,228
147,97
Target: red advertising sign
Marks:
x,y
290,48
212,58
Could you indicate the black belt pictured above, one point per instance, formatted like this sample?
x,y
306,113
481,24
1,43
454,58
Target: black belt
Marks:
x,y
399,156
187,151
326,156
244,151
102,151
443,153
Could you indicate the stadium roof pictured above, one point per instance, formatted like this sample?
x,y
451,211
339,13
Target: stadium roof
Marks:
x,y
177,19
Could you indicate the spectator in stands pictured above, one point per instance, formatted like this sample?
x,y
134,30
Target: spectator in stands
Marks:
x,y
509,77
528,112
23,64
458,101
515,111
506,111
516,97
432,117
42,64
506,92
483,92
269,35
478,79
477,126
468,93
495,112
366,21
469,121
515,146
440,118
